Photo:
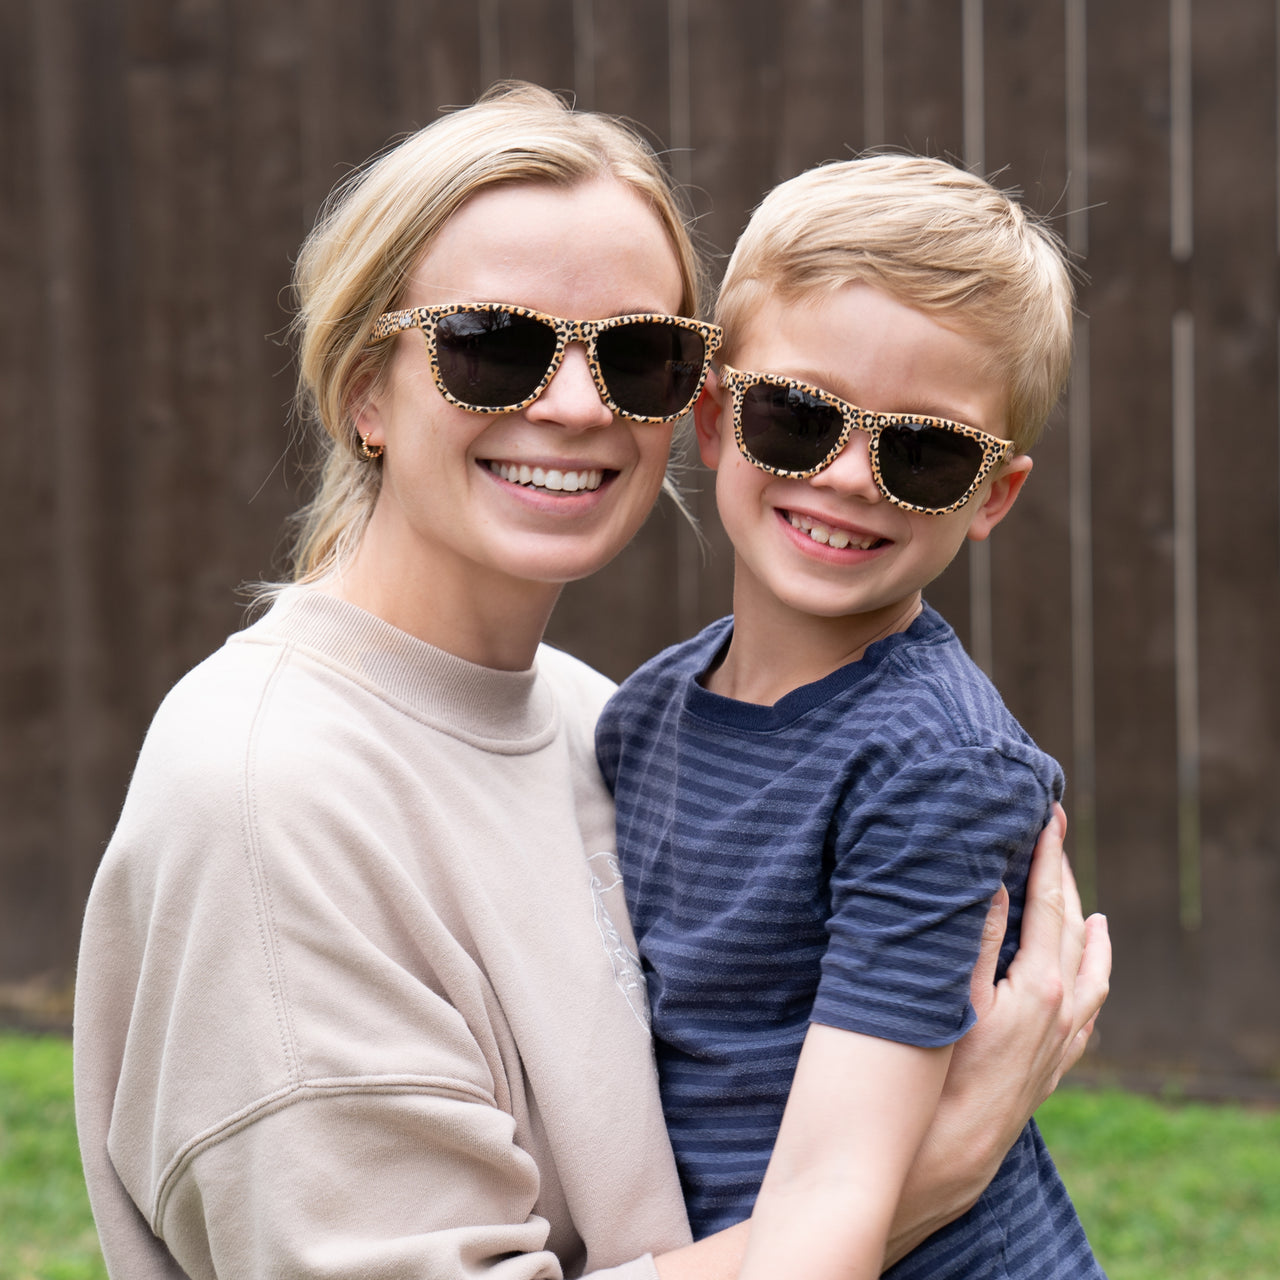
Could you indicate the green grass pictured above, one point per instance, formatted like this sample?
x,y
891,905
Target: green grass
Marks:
x,y
46,1230
1170,1191
1166,1191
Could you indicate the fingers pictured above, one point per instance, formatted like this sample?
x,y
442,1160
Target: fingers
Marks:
x,y
1042,921
1073,927
1073,912
1070,890
1086,961
1091,986
1074,1051
981,990
1093,980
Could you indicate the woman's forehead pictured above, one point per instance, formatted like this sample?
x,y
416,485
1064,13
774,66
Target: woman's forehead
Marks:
x,y
590,245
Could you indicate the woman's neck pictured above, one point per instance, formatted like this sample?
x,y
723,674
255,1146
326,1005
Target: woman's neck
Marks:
x,y
491,620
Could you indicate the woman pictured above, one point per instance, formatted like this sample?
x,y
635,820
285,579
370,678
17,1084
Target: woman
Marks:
x,y
357,993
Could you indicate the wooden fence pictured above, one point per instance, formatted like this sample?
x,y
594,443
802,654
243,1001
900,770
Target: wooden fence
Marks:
x,y
161,161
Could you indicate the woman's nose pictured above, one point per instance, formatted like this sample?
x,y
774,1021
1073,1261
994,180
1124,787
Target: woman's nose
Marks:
x,y
572,398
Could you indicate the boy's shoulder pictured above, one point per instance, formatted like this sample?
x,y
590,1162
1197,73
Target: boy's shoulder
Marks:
x,y
927,686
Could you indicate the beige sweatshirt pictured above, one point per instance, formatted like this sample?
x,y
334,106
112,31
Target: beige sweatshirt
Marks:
x,y
357,992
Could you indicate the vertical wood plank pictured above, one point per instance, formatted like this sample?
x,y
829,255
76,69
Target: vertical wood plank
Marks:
x,y
536,42
82,238
1132,300
820,96
924,77
1079,430
177,447
440,58
32,763
1233,299
261,483
631,53
348,90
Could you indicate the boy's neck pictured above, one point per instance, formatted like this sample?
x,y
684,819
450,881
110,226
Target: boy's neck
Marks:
x,y
776,649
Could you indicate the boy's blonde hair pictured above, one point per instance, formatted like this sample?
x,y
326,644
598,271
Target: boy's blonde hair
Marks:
x,y
378,224
932,236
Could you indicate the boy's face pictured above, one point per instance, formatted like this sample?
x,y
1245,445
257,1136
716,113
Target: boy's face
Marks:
x,y
864,347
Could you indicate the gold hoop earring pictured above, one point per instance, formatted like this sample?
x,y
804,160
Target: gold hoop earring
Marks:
x,y
370,452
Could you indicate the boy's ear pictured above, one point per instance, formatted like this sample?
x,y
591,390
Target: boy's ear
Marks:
x,y
1001,496
710,409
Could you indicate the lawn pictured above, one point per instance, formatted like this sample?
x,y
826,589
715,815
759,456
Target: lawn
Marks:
x,y
1170,1191
46,1231
1166,1191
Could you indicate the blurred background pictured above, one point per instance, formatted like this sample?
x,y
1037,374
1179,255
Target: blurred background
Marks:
x,y
161,160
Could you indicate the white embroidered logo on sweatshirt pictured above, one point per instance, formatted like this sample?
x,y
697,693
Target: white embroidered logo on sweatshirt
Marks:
x,y
606,878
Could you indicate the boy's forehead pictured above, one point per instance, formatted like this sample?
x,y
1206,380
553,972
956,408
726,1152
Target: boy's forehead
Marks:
x,y
863,344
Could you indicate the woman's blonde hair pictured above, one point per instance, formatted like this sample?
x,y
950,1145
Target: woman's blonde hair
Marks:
x,y
377,225
933,237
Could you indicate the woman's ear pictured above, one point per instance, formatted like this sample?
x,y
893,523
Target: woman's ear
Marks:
x,y
709,411
1000,496
364,406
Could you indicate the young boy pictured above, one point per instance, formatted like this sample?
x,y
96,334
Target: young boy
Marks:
x,y
818,797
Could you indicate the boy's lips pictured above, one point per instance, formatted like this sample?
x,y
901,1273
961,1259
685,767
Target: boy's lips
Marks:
x,y
830,534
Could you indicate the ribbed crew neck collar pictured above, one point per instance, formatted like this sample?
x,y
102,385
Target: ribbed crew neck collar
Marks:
x,y
502,710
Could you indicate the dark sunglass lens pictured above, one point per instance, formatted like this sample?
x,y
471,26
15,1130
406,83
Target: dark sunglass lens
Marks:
x,y
787,429
651,369
493,359
928,466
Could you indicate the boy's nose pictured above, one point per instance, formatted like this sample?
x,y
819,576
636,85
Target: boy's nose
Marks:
x,y
850,474
571,398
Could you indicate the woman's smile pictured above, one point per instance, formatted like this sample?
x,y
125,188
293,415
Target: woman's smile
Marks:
x,y
550,479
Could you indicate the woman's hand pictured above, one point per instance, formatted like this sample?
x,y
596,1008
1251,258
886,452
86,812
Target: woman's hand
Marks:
x,y
1032,1027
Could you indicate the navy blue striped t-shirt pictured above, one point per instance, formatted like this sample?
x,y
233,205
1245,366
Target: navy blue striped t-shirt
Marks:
x,y
829,858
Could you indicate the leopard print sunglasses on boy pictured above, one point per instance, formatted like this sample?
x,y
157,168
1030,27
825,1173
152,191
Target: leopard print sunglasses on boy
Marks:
x,y
790,428
490,357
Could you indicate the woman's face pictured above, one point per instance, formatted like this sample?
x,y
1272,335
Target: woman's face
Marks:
x,y
452,507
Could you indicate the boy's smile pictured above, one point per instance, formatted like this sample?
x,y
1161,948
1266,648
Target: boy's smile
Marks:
x,y
829,557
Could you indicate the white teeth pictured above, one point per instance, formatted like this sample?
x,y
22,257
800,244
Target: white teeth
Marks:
x,y
828,536
548,478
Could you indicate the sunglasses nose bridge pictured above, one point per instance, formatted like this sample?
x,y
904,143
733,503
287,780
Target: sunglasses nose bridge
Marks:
x,y
573,395
851,467
581,332
578,333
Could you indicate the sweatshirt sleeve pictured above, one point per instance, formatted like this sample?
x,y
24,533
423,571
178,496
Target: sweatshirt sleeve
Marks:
x,y
387,1183
388,1180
